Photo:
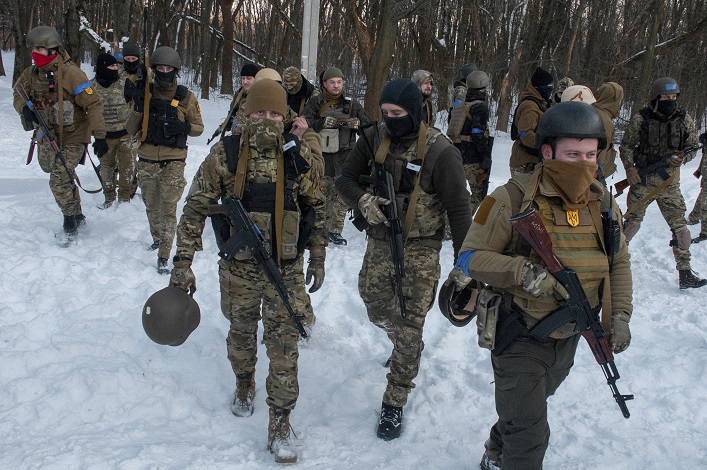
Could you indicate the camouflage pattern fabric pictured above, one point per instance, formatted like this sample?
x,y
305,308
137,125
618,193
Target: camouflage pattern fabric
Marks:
x,y
671,205
118,166
476,187
66,193
699,211
335,207
459,94
243,288
162,185
376,285
115,109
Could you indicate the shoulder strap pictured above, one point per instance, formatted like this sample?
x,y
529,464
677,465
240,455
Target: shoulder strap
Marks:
x,y
412,204
181,92
231,145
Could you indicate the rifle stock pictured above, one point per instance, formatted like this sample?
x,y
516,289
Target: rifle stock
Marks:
x,y
577,308
248,235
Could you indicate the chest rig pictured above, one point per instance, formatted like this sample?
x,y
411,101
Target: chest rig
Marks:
x,y
163,111
660,138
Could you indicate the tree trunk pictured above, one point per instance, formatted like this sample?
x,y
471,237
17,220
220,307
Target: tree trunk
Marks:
x,y
378,70
227,56
206,58
73,38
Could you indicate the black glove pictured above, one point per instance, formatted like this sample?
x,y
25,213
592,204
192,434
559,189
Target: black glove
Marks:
x,y
100,147
172,128
29,115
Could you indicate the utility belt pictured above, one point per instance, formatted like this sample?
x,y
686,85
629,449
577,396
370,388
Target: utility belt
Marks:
x,y
116,134
161,163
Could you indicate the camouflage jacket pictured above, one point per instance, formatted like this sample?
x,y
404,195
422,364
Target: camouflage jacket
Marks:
x,y
116,106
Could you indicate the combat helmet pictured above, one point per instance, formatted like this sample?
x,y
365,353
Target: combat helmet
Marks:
x,y
44,36
570,119
452,302
166,56
466,70
477,80
169,316
664,86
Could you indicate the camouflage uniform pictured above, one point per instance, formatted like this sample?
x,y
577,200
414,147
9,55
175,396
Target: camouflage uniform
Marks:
x,y
117,164
162,159
699,211
442,190
83,116
243,284
336,145
648,137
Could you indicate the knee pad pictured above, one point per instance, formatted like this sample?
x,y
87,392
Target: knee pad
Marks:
x,y
683,237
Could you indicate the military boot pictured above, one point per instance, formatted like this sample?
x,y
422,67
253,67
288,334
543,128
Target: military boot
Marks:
x,y
700,238
689,279
162,266
154,246
106,204
279,439
337,239
390,423
491,460
71,225
80,220
242,404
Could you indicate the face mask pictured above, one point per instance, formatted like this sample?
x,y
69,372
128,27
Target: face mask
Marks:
x,y
572,180
107,75
40,60
545,91
131,67
265,134
667,107
165,79
400,126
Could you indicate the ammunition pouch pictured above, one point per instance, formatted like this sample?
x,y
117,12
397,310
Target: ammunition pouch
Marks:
x,y
330,140
290,235
488,304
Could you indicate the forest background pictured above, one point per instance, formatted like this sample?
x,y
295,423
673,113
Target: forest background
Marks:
x,y
631,42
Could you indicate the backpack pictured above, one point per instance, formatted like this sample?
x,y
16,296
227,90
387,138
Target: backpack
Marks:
x,y
514,128
458,117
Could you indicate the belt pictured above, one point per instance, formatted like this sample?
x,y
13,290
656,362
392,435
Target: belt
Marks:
x,y
162,163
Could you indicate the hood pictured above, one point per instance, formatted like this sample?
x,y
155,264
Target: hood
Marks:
x,y
529,91
609,96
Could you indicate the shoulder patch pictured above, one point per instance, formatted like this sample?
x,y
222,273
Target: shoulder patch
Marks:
x,y
89,91
85,86
198,109
482,213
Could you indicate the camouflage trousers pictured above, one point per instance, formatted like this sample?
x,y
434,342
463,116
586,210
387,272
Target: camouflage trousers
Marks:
x,y
335,208
117,166
526,374
699,211
376,285
162,185
244,288
671,205
476,177
65,191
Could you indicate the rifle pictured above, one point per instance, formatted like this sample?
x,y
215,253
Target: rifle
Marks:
x,y
486,163
576,309
249,235
223,127
383,186
147,96
657,167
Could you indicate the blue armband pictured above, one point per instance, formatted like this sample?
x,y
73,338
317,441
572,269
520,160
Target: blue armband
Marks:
x,y
83,87
476,130
463,261
522,134
456,103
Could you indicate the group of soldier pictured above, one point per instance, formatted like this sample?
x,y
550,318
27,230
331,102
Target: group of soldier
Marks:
x,y
297,158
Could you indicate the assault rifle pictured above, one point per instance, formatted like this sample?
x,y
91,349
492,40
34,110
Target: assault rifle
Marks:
x,y
657,167
576,309
248,235
383,186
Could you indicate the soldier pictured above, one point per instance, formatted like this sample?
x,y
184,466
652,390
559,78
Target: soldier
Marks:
x,y
532,103
425,80
232,122
579,93
64,96
460,84
276,209
131,61
608,102
336,117
473,140
428,182
571,204
299,89
174,115
654,143
117,163
699,211
562,85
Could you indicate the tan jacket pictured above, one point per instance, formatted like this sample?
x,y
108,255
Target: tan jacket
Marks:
x,y
527,117
609,97
82,107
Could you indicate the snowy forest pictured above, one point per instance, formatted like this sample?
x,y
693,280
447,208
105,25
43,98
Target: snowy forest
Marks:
x,y
632,42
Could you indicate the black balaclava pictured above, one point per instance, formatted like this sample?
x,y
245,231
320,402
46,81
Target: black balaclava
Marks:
x,y
104,75
543,82
404,93
165,79
666,107
131,49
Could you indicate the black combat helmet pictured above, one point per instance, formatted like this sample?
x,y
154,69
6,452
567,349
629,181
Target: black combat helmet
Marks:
x,y
169,316
452,302
466,70
664,86
44,36
570,119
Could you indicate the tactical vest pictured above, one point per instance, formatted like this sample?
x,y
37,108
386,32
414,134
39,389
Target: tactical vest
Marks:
x,y
406,169
115,109
660,138
162,112
43,90
345,137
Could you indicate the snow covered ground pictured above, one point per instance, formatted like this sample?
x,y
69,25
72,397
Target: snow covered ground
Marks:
x,y
82,387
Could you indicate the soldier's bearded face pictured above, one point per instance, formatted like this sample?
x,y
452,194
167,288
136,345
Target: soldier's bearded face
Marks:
x,y
572,150
426,88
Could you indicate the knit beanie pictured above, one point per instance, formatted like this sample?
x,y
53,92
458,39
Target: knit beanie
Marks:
x,y
104,60
332,72
249,70
266,95
541,78
131,49
406,94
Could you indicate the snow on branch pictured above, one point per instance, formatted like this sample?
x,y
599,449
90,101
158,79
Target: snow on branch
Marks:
x,y
86,28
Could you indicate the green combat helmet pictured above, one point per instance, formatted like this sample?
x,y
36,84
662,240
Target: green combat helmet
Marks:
x,y
477,80
44,36
169,316
664,86
452,302
570,119
466,69
166,56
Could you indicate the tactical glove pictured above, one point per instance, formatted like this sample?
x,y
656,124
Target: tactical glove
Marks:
x,y
620,336
315,272
100,147
182,275
353,123
330,123
29,115
676,159
172,128
459,278
537,281
632,176
369,206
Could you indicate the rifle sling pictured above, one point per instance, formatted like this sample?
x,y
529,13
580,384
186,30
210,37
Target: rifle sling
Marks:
x,y
222,130
412,204
649,197
60,97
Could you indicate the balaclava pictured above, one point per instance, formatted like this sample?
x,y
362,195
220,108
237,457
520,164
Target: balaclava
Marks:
x,y
404,93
